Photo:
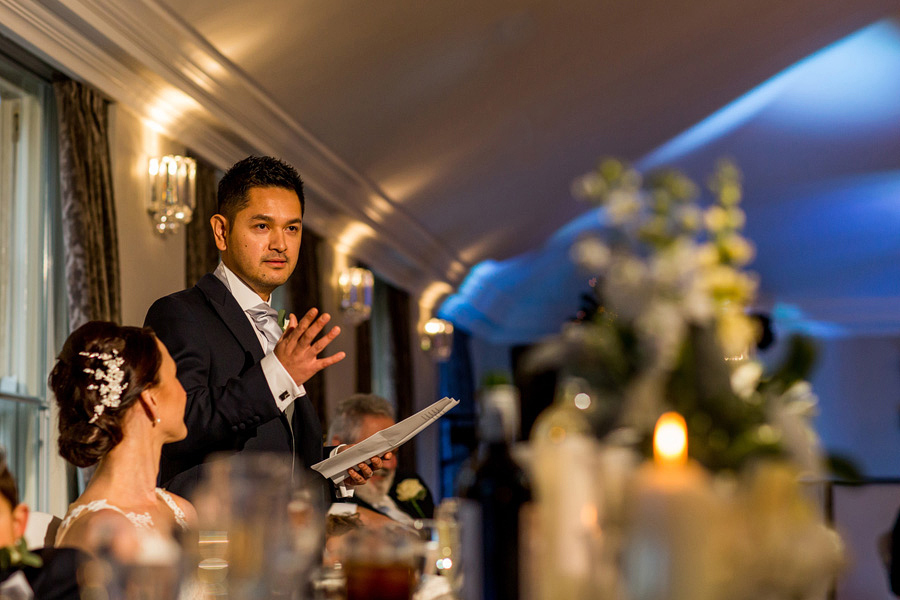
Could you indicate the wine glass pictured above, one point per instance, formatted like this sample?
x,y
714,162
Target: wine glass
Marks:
x,y
447,560
380,563
259,528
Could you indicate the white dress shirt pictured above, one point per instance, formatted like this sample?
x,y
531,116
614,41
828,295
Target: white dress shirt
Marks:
x,y
284,389
385,506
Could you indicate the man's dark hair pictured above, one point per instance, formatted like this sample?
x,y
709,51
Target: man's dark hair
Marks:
x,y
255,172
8,489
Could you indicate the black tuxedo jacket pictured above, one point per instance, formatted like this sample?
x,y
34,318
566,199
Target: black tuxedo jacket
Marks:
x,y
58,578
230,407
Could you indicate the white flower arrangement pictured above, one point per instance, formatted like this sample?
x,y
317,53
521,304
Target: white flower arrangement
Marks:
x,y
671,332
673,329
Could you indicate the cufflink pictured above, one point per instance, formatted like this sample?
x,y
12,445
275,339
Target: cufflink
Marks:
x,y
284,395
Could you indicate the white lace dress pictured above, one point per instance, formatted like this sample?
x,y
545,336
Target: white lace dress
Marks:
x,y
153,541
141,521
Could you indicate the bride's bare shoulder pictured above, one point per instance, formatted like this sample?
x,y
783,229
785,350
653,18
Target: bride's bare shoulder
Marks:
x,y
96,528
190,513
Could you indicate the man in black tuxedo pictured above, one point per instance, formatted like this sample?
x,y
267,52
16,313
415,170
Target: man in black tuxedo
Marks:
x,y
400,497
244,377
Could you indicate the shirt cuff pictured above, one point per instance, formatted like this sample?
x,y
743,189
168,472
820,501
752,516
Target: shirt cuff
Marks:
x,y
342,490
343,508
283,387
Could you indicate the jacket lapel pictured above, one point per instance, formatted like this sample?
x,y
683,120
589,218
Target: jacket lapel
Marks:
x,y
231,314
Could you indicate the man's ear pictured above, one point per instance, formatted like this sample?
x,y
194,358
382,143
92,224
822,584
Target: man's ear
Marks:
x,y
220,229
19,520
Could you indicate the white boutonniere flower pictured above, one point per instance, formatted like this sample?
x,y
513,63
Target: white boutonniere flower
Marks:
x,y
411,490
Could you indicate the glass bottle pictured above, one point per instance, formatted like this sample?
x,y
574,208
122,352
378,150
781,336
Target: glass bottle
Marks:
x,y
578,481
493,489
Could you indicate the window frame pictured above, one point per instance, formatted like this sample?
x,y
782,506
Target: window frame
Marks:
x,y
45,319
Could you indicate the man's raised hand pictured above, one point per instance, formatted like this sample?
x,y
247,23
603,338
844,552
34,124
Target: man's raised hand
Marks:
x,y
298,350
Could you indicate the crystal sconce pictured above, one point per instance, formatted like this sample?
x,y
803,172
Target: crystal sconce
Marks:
x,y
437,338
356,294
173,182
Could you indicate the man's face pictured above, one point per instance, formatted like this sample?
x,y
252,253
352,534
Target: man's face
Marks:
x,y
261,246
12,522
380,482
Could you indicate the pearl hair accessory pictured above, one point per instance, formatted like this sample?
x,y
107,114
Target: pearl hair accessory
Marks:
x,y
111,376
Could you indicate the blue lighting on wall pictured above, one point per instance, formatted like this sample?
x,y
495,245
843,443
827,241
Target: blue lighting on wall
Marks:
x,y
852,80
852,83
849,88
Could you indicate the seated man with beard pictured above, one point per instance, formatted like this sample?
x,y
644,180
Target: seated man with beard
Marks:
x,y
399,498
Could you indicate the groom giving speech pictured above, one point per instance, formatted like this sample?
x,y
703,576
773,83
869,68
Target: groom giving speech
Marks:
x,y
243,377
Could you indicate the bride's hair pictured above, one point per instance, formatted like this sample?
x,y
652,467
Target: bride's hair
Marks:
x,y
99,374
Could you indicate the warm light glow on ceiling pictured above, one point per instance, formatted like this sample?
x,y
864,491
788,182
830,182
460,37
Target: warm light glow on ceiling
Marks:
x,y
434,292
352,235
169,107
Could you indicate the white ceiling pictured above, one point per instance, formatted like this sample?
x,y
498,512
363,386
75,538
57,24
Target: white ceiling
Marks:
x,y
435,135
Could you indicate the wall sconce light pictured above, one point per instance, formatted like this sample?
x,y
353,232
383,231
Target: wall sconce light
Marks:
x,y
173,180
437,339
356,294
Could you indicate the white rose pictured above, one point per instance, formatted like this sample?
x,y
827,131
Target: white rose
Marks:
x,y
410,489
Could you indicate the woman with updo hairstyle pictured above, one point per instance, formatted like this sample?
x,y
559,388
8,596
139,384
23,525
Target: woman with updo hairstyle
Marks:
x,y
119,402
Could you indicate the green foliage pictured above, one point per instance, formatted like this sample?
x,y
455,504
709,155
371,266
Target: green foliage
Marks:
x,y
495,378
797,366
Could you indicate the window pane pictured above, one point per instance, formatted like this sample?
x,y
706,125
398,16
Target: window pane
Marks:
x,y
27,313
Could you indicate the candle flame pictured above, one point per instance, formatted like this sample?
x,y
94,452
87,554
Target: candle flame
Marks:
x,y
670,440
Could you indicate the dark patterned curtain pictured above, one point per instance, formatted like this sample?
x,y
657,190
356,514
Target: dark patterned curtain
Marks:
x,y
401,334
89,213
305,293
364,354
364,357
201,255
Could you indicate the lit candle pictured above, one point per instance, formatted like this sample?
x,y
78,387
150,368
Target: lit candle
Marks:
x,y
669,543
670,441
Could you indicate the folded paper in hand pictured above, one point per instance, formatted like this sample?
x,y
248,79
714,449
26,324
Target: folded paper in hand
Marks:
x,y
335,467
